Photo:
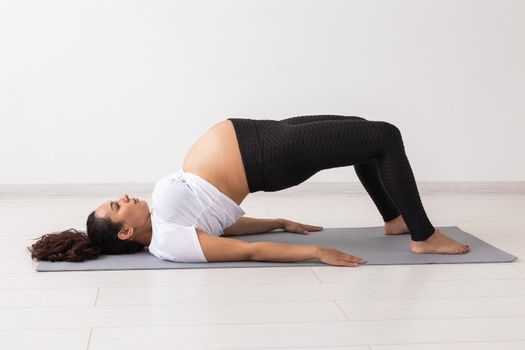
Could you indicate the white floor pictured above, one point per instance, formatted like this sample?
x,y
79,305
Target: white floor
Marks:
x,y
463,306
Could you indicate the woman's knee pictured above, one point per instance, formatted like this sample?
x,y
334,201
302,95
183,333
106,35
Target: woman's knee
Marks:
x,y
391,130
391,134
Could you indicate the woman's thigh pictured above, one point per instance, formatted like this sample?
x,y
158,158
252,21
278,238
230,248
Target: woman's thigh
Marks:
x,y
295,152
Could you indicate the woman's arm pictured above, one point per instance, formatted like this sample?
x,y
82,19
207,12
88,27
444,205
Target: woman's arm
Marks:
x,y
246,225
217,248
228,249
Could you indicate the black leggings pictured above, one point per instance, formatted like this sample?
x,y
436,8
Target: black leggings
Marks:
x,y
278,154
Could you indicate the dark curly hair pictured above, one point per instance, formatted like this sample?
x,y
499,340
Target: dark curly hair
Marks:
x,y
75,246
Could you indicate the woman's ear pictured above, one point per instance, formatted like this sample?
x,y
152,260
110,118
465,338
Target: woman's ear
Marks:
x,y
125,233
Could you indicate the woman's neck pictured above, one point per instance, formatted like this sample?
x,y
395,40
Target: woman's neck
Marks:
x,y
143,234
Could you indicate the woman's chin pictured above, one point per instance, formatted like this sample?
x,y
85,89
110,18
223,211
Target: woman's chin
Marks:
x,y
145,205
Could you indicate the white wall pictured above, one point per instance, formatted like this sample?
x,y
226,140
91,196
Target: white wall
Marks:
x,y
117,91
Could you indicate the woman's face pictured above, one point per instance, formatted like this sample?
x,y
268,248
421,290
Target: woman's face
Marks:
x,y
130,211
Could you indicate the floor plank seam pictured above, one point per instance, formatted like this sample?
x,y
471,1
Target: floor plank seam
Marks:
x,y
96,297
456,342
89,338
343,311
268,323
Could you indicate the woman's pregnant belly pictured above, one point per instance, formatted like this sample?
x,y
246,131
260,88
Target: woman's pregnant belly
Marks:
x,y
216,157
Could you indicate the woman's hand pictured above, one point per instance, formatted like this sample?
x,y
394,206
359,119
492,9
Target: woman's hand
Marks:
x,y
335,257
292,226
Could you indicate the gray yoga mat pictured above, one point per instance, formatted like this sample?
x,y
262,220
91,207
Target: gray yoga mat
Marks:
x,y
369,243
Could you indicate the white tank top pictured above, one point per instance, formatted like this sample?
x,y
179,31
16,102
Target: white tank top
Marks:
x,y
180,203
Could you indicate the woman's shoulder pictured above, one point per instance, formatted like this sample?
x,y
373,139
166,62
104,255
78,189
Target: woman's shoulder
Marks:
x,y
175,242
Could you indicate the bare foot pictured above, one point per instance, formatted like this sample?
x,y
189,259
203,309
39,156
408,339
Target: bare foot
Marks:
x,y
438,243
396,226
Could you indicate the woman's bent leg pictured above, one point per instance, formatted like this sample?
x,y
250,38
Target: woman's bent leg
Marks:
x,y
313,146
367,172
369,175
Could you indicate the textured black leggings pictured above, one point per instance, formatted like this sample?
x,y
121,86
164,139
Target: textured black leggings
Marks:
x,y
279,154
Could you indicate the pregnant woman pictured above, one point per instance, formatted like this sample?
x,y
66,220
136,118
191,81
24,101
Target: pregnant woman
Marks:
x,y
193,209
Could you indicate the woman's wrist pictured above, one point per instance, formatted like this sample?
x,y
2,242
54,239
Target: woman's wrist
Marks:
x,y
280,223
